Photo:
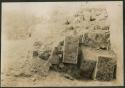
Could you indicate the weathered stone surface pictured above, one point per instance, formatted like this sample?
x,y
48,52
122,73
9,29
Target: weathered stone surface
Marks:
x,y
70,53
87,69
44,55
54,58
97,39
105,70
71,69
57,53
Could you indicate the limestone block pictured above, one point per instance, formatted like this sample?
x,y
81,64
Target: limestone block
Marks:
x,y
105,70
70,54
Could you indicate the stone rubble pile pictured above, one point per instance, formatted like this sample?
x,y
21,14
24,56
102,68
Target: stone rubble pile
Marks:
x,y
68,58
103,68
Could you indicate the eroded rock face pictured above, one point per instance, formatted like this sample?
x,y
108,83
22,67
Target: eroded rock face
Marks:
x,y
105,70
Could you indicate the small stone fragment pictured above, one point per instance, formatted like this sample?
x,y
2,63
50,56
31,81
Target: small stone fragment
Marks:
x,y
70,28
68,76
67,22
33,79
105,28
92,18
80,39
44,55
22,75
37,44
61,65
35,53
97,27
61,43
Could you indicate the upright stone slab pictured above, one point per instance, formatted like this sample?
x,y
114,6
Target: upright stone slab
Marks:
x,y
71,44
105,70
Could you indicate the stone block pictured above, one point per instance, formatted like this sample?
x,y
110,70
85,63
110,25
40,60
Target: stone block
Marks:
x,y
54,58
87,69
105,69
70,54
97,39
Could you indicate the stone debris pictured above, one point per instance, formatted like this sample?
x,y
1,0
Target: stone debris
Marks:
x,y
44,55
68,76
33,79
40,67
35,53
83,69
105,68
22,74
37,45
92,18
71,45
67,22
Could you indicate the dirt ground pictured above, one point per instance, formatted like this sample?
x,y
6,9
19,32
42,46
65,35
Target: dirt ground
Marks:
x,y
49,28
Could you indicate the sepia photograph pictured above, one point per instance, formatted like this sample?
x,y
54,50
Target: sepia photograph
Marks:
x,y
62,44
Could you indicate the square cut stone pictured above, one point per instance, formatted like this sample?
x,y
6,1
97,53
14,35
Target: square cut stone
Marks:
x,y
105,70
71,44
